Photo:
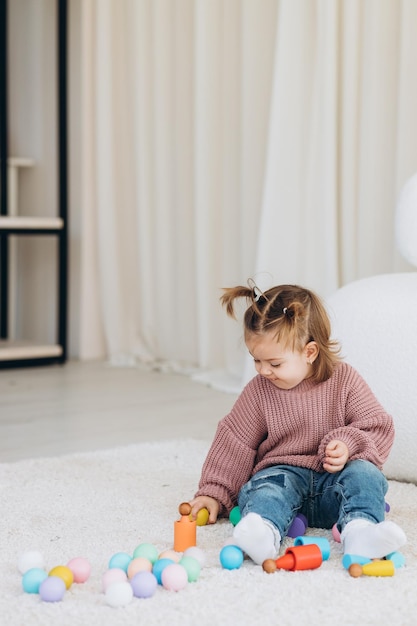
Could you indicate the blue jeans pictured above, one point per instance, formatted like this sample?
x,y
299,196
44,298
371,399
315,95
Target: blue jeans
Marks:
x,y
280,492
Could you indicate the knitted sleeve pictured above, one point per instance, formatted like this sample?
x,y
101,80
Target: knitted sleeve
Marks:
x,y
231,457
369,429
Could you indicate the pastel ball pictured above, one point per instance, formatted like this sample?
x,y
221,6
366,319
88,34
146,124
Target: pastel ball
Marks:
x,y
170,554
231,557
80,568
140,564
144,584
192,567
202,517
32,579
52,589
159,566
298,527
30,560
115,575
336,534
196,553
174,577
147,551
120,560
119,594
64,572
235,515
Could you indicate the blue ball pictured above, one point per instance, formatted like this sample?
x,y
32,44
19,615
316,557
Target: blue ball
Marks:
x,y
120,560
144,584
158,567
32,579
231,557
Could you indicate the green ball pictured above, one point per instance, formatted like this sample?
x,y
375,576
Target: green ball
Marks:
x,y
192,567
235,515
147,551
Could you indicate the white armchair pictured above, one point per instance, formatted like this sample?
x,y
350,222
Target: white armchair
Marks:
x,y
375,319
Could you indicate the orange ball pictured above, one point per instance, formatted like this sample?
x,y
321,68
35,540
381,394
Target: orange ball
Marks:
x,y
355,570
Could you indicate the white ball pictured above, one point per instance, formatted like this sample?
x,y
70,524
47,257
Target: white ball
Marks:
x,y
29,560
196,553
119,594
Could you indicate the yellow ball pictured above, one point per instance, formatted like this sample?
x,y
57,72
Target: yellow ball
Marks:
x,y
64,572
202,517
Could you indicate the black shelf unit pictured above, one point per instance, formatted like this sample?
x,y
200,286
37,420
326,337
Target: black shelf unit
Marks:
x,y
14,354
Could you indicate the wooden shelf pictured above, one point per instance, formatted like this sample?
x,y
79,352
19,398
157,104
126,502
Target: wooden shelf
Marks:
x,y
15,351
20,224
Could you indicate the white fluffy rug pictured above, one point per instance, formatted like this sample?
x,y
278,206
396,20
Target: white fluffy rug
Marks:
x,y
97,504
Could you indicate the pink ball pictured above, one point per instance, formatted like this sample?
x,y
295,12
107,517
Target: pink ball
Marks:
x,y
336,534
80,568
174,577
114,575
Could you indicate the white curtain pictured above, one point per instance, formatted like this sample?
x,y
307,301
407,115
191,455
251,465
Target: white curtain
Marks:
x,y
228,139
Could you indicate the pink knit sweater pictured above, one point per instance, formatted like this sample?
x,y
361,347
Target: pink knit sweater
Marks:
x,y
269,426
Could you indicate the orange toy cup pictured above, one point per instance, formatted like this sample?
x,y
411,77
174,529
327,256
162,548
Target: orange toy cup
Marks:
x,y
308,556
185,529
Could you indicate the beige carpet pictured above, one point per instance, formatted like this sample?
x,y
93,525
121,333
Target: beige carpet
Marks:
x,y
94,505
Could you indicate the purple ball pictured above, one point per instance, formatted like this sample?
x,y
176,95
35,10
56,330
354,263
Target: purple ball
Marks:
x,y
144,584
298,526
52,589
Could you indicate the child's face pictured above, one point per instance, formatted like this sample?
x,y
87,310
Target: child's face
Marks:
x,y
284,367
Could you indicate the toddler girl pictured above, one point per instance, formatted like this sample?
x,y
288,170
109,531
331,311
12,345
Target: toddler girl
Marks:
x,y
306,435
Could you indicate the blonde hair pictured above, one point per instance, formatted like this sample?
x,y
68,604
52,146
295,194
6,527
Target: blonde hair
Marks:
x,y
296,315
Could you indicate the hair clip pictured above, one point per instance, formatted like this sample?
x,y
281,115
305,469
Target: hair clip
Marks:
x,y
256,292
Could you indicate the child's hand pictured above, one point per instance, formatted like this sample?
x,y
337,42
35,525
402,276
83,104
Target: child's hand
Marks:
x,y
336,456
210,504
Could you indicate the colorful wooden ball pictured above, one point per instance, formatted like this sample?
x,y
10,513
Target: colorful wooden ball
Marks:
x,y
64,572
80,568
52,589
147,551
119,594
140,564
171,554
114,575
196,553
202,517
336,534
120,560
298,526
32,579
192,567
144,584
235,515
159,566
174,577
231,557
30,560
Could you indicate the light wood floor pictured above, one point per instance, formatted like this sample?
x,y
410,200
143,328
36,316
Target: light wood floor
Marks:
x,y
78,407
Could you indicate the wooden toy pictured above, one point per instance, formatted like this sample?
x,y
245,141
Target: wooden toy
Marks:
x,y
185,529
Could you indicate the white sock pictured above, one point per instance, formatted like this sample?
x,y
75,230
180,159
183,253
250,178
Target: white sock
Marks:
x,y
257,538
374,541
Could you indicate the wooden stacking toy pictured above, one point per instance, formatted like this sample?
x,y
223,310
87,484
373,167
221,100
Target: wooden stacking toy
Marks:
x,y
185,529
